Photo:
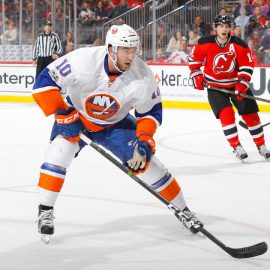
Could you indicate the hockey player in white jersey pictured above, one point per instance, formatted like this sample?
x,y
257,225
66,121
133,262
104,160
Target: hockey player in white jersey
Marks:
x,y
103,84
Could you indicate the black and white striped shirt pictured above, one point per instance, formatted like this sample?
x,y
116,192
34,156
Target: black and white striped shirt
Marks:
x,y
47,45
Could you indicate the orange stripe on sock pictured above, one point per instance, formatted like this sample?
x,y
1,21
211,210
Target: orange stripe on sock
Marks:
x,y
51,183
171,191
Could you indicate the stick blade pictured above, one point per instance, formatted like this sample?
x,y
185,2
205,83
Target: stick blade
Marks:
x,y
248,252
243,125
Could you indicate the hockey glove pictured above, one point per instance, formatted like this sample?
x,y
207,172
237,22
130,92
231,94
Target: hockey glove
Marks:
x,y
198,79
241,88
69,124
142,154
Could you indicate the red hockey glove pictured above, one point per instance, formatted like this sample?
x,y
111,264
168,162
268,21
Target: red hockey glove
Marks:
x,y
241,88
69,124
197,79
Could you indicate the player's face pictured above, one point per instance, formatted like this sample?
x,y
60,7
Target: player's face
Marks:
x,y
223,31
125,57
47,29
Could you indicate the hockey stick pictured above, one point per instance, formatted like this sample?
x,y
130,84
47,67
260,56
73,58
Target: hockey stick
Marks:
x,y
243,125
233,93
239,253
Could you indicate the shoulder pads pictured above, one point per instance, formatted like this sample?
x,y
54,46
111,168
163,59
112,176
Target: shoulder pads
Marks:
x,y
238,41
206,39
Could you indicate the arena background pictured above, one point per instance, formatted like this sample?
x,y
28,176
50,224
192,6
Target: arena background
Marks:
x,y
147,17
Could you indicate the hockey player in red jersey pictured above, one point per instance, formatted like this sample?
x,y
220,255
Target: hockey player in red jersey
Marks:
x,y
228,63
103,84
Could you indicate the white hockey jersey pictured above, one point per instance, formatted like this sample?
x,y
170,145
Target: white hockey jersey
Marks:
x,y
83,76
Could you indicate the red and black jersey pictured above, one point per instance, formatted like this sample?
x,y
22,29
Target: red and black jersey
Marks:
x,y
223,64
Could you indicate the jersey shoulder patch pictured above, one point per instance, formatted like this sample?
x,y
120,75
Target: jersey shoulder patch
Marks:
x,y
207,39
238,41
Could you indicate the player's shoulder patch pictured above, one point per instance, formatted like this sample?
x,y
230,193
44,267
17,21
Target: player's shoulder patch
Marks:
x,y
207,39
238,41
54,75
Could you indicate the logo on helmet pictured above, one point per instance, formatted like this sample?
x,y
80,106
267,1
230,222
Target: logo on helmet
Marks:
x,y
222,19
114,31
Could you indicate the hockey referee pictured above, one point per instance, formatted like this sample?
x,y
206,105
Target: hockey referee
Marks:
x,y
47,48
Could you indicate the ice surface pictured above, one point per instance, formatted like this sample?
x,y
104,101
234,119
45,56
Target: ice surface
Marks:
x,y
106,221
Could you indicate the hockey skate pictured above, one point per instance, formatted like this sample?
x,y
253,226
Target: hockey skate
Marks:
x,y
45,223
264,152
189,220
240,152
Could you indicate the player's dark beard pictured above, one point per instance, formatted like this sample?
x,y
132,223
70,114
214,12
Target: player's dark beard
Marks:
x,y
122,67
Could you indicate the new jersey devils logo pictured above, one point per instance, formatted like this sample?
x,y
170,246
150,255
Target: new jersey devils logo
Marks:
x,y
224,62
101,106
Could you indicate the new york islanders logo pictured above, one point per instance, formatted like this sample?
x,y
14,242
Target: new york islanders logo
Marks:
x,y
225,62
101,106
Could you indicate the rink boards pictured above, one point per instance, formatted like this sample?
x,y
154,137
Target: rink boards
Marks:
x,y
16,82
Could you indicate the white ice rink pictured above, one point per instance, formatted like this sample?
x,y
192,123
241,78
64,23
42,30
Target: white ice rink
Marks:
x,y
106,221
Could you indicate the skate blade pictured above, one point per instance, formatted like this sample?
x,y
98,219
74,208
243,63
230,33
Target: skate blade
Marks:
x,y
45,238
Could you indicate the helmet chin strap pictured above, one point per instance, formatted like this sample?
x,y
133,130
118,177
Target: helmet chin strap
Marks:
x,y
114,61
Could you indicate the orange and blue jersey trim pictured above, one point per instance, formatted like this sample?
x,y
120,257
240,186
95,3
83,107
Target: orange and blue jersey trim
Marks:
x,y
146,126
148,122
49,100
155,113
47,94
